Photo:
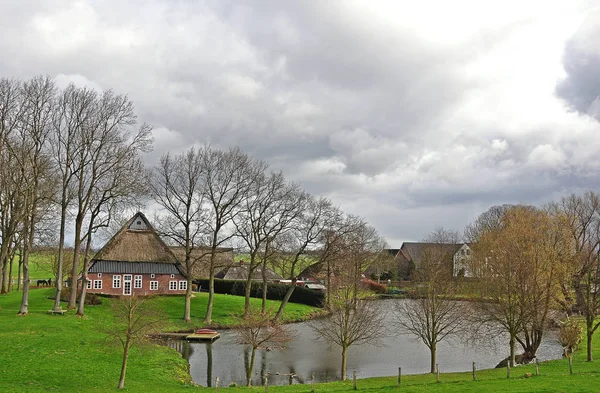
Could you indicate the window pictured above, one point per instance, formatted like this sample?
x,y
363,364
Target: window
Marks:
x,y
182,285
127,277
99,275
152,275
172,285
116,281
89,284
97,284
137,283
172,276
153,285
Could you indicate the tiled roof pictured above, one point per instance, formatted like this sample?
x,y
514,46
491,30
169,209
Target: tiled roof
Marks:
x,y
101,266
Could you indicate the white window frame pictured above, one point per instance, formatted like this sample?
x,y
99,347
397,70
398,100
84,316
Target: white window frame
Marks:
x,y
152,275
137,281
89,283
172,285
183,285
99,275
154,285
172,276
97,284
116,281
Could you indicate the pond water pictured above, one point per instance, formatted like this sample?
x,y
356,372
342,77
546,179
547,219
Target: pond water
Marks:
x,y
305,355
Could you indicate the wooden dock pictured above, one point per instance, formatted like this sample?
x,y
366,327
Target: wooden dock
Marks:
x,y
195,336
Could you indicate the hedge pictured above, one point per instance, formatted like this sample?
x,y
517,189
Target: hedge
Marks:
x,y
274,291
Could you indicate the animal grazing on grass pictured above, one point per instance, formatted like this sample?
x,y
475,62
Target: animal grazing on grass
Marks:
x,y
42,282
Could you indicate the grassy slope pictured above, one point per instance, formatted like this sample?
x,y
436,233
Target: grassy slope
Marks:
x,y
40,352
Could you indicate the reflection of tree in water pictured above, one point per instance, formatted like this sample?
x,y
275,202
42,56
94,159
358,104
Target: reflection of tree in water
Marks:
x,y
209,364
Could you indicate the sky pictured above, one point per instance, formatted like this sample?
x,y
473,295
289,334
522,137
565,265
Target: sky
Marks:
x,y
414,115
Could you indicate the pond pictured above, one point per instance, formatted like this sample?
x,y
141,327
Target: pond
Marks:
x,y
305,355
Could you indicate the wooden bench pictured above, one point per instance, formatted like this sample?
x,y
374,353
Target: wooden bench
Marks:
x,y
61,312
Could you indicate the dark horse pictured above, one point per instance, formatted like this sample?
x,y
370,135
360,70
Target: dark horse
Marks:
x,y
42,282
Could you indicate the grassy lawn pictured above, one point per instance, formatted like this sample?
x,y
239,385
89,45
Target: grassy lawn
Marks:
x,y
40,352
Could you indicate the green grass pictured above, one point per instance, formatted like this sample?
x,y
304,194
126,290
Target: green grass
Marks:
x,y
40,352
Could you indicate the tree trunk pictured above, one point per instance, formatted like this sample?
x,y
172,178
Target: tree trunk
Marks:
x,y
211,289
84,273
590,336
61,252
247,295
433,352
511,358
19,269
187,314
124,366
25,299
344,358
4,284
285,300
251,367
10,273
75,269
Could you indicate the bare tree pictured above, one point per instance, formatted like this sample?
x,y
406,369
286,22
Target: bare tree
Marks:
x,y
178,187
229,176
33,162
582,216
352,322
257,331
134,318
108,146
433,314
267,212
305,233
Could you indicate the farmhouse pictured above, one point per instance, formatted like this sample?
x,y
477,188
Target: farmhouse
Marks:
x,y
456,256
136,262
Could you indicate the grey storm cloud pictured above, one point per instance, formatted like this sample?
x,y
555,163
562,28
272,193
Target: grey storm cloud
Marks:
x,y
581,87
412,114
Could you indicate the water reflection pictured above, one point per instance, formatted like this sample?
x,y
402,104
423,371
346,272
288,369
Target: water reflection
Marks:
x,y
305,355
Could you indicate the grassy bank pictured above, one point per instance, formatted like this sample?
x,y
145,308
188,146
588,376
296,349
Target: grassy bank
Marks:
x,y
40,352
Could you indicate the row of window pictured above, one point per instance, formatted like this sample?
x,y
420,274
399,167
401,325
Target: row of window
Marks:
x,y
137,283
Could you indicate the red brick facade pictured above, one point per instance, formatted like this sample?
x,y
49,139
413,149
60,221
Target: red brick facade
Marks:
x,y
162,284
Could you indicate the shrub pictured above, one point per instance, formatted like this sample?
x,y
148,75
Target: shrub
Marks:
x,y
274,291
374,286
91,299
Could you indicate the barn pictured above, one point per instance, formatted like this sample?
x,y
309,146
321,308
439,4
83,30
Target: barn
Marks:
x,y
135,261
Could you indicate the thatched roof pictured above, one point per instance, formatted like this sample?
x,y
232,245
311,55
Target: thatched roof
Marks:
x,y
240,272
136,241
201,259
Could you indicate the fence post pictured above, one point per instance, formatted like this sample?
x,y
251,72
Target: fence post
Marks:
x,y
312,383
537,366
217,385
508,369
354,377
437,368
266,384
399,375
570,365
474,372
